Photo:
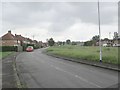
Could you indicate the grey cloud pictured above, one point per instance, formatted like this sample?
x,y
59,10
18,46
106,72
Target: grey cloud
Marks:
x,y
61,15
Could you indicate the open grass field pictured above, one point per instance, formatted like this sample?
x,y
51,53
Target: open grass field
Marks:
x,y
4,54
109,54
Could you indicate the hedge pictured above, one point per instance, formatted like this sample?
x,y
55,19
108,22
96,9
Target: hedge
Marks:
x,y
15,48
8,48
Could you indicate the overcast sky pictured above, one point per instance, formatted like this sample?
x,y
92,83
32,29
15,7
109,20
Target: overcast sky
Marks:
x,y
77,21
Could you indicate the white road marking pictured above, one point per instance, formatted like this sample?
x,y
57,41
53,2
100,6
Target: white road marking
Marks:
x,y
57,68
87,81
69,64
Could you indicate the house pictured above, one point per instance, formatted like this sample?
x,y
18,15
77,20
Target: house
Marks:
x,y
44,44
36,43
105,42
29,41
21,39
9,40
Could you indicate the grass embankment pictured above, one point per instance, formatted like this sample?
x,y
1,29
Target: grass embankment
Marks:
x,y
4,54
110,54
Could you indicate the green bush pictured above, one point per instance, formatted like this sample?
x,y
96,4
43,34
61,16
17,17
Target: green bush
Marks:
x,y
8,48
26,45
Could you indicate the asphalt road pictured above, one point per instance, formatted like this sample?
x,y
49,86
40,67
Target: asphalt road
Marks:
x,y
41,71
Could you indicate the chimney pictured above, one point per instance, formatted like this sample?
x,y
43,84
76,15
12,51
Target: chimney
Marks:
x,y
9,31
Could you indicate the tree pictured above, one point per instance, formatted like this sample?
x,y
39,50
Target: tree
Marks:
x,y
68,41
74,43
51,42
95,39
59,42
116,36
88,43
63,43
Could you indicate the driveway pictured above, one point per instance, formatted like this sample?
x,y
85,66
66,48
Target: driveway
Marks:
x,y
41,71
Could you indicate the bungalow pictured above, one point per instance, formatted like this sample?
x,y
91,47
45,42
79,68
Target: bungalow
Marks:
x,y
9,40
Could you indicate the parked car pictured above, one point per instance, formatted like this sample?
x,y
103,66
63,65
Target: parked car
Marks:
x,y
29,49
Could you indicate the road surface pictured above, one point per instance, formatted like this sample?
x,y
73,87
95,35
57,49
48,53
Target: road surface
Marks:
x,y
41,71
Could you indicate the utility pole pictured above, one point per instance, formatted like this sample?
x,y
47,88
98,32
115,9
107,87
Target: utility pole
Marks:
x,y
99,32
110,35
33,36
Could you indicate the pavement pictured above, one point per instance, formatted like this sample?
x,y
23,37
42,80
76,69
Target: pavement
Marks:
x,y
38,70
9,79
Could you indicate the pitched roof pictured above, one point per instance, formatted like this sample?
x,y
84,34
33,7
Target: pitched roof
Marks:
x,y
35,41
19,37
28,39
8,36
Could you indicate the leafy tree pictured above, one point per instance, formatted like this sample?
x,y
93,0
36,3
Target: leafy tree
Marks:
x,y
51,42
116,36
74,43
88,43
63,43
68,41
95,39
59,43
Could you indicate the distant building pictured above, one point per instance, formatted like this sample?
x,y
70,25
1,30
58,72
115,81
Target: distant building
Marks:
x,y
109,42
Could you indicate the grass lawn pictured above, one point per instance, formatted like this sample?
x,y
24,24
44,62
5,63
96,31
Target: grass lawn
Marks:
x,y
4,54
110,54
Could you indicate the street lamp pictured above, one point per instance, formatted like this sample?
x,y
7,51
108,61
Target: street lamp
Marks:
x,y
99,33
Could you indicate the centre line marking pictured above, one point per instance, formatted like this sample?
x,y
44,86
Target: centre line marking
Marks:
x,y
57,68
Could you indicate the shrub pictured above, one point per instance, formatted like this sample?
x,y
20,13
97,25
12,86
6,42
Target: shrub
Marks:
x,y
26,45
8,48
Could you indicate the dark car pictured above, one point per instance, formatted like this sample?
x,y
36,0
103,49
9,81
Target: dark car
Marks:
x,y
29,49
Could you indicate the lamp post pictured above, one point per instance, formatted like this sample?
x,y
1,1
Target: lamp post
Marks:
x,y
99,33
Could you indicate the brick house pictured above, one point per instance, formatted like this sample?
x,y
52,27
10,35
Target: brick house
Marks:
x,y
29,41
22,39
9,40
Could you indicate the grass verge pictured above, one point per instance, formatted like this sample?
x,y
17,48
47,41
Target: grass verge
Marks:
x,y
109,54
4,54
